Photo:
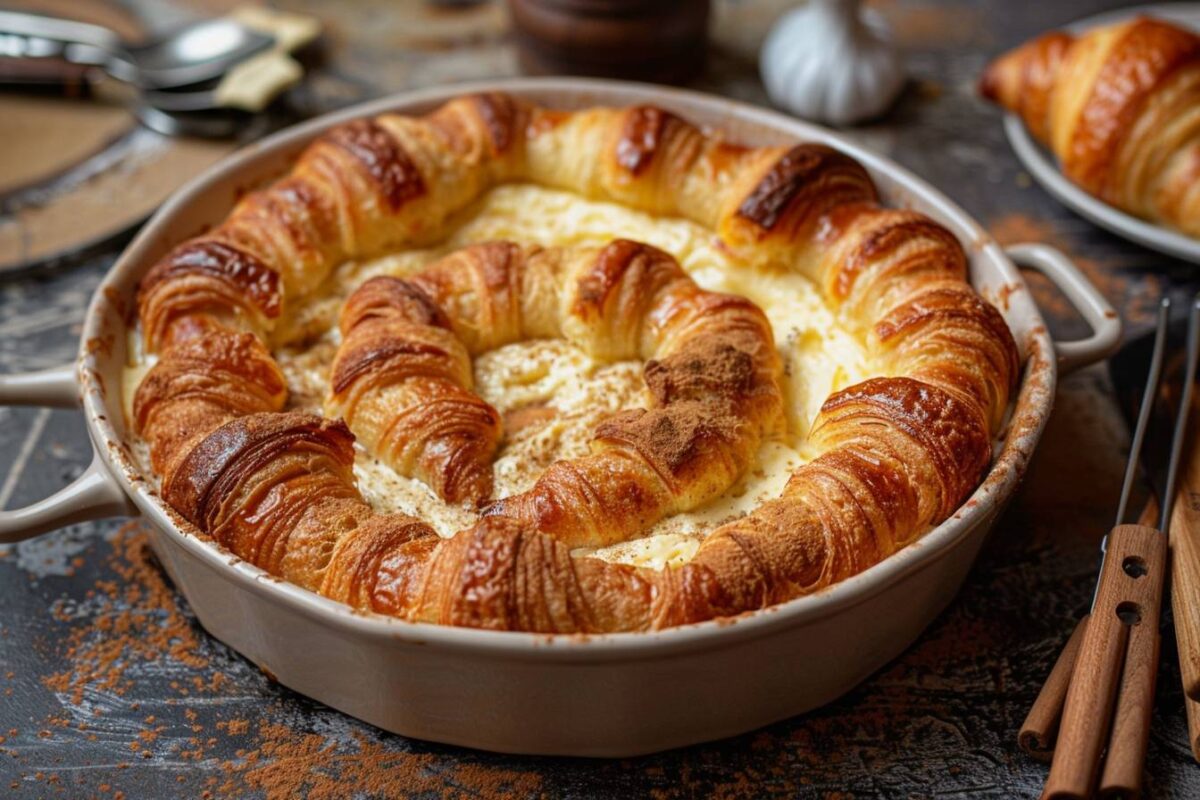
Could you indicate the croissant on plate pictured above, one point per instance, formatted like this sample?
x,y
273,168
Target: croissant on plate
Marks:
x,y
1120,108
896,454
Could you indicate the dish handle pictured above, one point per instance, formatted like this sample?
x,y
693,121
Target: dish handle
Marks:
x,y
93,495
1096,311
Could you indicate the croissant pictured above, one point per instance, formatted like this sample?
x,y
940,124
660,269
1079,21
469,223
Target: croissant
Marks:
x,y
401,379
202,381
895,454
1120,108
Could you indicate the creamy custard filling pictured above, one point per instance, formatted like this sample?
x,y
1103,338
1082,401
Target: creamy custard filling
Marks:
x,y
551,394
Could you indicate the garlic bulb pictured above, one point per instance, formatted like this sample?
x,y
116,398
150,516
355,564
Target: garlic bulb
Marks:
x,y
827,62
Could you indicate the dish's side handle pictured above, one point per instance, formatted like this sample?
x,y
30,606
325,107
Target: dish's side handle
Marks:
x,y
1096,311
93,495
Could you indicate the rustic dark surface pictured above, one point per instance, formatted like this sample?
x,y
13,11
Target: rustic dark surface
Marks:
x,y
107,685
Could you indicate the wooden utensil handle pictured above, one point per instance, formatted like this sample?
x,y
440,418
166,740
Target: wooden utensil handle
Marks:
x,y
1130,733
1193,718
1185,580
1041,725
1122,601
46,76
1040,728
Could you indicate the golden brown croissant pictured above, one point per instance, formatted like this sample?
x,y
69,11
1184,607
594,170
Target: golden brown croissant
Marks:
x,y
277,490
896,454
199,383
402,378
402,382
1120,108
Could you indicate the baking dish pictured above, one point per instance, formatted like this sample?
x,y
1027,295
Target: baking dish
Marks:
x,y
612,695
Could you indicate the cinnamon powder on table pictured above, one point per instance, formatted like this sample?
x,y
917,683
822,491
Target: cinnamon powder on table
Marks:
x,y
1016,227
285,764
141,618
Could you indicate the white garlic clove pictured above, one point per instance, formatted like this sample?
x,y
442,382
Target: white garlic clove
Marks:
x,y
827,62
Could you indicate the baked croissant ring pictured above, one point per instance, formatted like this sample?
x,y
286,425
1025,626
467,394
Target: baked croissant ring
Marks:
x,y
1120,107
402,382
402,378
894,455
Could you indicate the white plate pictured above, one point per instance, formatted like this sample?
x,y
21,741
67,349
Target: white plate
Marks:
x,y
1044,168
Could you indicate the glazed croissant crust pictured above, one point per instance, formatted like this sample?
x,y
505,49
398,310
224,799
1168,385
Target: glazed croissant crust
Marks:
x,y
1120,108
895,454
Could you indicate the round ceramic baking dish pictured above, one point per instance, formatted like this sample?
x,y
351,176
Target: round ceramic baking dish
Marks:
x,y
612,695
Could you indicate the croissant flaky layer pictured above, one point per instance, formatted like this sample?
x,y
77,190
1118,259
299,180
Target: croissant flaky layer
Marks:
x,y
896,454
402,380
1120,108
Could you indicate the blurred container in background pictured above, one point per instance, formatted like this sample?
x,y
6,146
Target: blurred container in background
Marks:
x,y
651,40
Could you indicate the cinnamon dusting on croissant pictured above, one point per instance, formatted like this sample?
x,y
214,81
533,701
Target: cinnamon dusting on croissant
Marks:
x,y
716,387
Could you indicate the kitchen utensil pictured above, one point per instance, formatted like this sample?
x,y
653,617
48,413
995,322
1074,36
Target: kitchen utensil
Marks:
x,y
249,86
215,123
49,77
1185,572
1040,728
1127,368
214,108
610,695
226,109
1184,539
192,54
1044,169
1115,647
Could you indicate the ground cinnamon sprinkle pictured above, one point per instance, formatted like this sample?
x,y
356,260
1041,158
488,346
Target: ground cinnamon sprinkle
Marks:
x,y
286,764
140,618
235,727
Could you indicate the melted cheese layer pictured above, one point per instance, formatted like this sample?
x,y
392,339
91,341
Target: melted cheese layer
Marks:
x,y
552,395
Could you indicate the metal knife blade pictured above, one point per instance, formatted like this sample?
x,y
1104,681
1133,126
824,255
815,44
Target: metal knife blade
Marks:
x,y
1128,368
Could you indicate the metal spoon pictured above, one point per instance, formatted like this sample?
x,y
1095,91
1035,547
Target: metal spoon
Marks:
x,y
195,53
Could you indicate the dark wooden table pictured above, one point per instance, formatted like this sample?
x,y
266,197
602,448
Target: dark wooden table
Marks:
x,y
109,688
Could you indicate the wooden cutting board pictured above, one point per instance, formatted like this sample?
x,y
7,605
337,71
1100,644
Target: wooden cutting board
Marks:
x,y
75,173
